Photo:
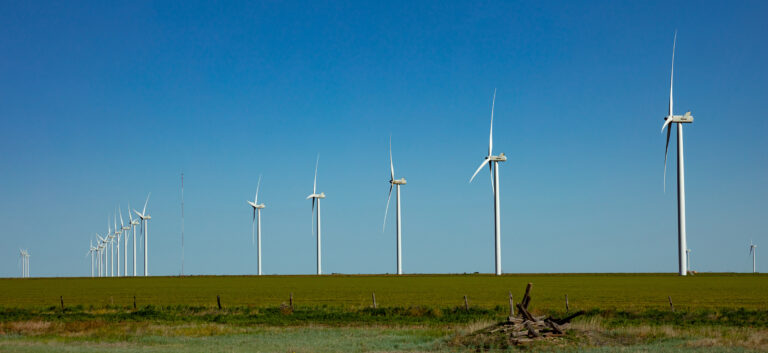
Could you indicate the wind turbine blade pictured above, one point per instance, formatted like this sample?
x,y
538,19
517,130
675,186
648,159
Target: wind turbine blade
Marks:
x,y
314,186
490,139
121,217
253,227
666,153
258,185
130,218
490,175
672,73
667,122
387,209
391,164
145,204
478,169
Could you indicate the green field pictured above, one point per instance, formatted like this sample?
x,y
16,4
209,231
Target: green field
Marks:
x,y
713,312
605,291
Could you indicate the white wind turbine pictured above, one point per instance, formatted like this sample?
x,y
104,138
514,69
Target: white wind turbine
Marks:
x,y
23,260
493,165
316,198
145,217
753,252
688,259
102,247
679,120
118,233
394,183
257,220
134,223
111,253
125,230
91,251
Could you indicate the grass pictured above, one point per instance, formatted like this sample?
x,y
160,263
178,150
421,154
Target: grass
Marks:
x,y
605,291
624,312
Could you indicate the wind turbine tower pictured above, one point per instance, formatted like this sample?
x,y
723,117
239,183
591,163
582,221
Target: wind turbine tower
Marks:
x,y
753,252
256,223
394,183
316,199
493,165
145,217
678,120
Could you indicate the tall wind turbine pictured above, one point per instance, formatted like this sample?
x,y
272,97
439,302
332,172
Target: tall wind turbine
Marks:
x,y
125,229
257,222
493,165
316,198
753,252
145,217
91,251
23,260
111,253
679,120
118,232
394,183
688,258
134,223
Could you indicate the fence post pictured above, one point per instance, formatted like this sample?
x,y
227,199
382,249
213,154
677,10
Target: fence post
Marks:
x,y
218,301
670,303
61,298
134,302
511,305
566,304
291,300
466,304
373,295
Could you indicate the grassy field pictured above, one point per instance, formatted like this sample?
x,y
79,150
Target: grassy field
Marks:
x,y
585,291
416,313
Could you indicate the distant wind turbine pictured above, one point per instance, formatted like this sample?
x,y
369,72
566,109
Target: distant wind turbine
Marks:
x,y
493,165
256,222
688,259
394,183
753,252
679,120
316,198
125,229
145,217
134,223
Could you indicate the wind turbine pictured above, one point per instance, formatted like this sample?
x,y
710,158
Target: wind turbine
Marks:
x,y
679,120
753,252
493,165
316,198
91,250
145,217
688,258
111,253
101,248
23,260
125,229
134,223
118,232
257,219
394,183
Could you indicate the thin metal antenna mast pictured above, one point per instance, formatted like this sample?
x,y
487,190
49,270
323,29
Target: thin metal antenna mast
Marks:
x,y
182,224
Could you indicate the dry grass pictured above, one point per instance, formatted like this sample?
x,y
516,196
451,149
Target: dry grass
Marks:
x,y
701,336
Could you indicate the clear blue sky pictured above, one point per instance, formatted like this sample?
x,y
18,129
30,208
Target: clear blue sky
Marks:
x,y
102,102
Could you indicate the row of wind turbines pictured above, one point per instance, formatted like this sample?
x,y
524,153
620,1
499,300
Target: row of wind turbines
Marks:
x,y
24,262
103,259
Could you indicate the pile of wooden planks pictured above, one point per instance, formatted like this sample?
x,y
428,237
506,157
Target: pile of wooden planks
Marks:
x,y
524,327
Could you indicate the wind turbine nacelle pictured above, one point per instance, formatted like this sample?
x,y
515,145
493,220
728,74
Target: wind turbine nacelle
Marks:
x,y
321,195
260,206
400,181
687,118
500,158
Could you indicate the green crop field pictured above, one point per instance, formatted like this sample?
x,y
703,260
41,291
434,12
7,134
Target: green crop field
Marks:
x,y
713,312
606,291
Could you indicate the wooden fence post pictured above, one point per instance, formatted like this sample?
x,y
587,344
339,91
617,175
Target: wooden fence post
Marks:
x,y
466,304
291,300
527,296
511,306
218,301
61,298
566,304
373,295
670,303
134,302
